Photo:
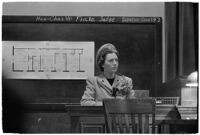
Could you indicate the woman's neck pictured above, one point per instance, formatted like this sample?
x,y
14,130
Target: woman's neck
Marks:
x,y
109,75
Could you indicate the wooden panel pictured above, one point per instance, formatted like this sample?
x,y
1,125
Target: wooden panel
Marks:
x,y
92,125
167,115
65,118
92,128
40,123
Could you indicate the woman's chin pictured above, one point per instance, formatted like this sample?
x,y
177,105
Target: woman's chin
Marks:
x,y
114,71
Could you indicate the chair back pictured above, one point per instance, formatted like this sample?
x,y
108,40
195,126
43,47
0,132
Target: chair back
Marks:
x,y
130,115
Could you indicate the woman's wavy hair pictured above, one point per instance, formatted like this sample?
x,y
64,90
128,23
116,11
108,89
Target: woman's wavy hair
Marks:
x,y
102,52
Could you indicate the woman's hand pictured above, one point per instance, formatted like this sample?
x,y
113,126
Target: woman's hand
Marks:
x,y
120,97
99,103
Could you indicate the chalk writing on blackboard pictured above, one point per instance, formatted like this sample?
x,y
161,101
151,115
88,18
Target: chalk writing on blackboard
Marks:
x,y
80,19
97,19
66,60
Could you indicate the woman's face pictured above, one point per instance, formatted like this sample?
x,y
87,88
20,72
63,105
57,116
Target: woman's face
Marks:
x,y
111,63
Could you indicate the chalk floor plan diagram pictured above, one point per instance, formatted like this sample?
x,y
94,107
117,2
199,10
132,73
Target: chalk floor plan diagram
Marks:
x,y
48,60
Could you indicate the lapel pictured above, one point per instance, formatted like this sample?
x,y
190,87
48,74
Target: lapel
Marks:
x,y
105,84
116,81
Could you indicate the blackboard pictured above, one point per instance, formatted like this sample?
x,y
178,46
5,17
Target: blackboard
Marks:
x,y
138,40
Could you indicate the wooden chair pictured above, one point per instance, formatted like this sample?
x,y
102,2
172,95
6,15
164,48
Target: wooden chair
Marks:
x,y
130,115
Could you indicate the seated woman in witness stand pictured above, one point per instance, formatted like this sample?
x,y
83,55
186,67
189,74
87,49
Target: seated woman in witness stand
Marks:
x,y
108,84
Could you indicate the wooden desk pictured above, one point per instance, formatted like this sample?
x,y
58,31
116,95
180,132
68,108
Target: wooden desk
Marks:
x,y
90,119
178,126
63,117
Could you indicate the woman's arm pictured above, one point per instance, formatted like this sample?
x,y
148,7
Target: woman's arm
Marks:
x,y
131,93
88,98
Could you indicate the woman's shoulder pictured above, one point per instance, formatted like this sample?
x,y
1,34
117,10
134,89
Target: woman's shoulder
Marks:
x,y
100,77
91,78
94,78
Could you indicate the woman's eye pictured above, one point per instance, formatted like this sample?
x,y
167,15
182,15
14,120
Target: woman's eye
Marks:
x,y
110,60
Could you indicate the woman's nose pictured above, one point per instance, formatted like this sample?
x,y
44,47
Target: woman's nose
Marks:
x,y
115,62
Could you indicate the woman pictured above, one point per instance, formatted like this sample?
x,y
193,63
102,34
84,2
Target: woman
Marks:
x,y
108,84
